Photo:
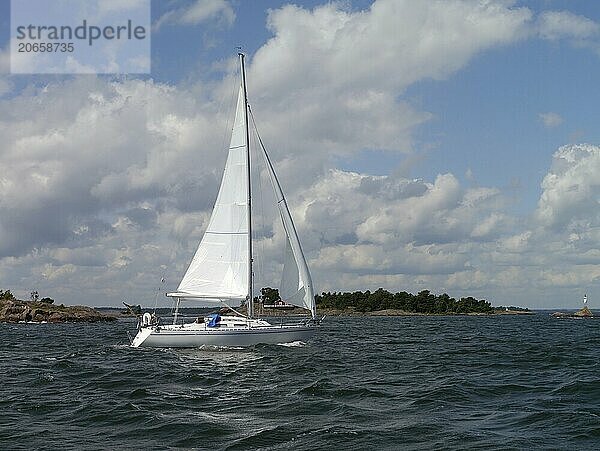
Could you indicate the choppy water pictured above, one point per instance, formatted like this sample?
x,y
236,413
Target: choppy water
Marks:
x,y
362,383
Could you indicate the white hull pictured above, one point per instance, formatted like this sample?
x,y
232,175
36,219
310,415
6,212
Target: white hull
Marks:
x,y
198,335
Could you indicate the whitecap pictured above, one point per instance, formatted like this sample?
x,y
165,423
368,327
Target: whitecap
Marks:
x,y
293,344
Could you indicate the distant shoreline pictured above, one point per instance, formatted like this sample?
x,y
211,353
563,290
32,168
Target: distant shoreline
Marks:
x,y
393,312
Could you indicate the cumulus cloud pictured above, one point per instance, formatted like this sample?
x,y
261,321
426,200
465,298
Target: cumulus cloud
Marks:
x,y
571,189
388,225
408,259
424,39
81,151
197,12
344,71
555,25
550,120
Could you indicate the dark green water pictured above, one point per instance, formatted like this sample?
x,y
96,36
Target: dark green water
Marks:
x,y
363,383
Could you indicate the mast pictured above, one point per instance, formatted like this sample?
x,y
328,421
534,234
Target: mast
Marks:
x,y
250,302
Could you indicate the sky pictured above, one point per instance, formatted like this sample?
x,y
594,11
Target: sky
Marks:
x,y
443,145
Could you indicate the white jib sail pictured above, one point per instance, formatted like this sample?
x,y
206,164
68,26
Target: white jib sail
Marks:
x,y
291,288
296,283
219,268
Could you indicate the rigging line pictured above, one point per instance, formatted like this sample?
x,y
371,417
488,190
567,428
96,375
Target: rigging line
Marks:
x,y
158,290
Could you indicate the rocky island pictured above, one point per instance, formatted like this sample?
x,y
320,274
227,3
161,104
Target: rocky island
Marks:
x,y
13,310
585,312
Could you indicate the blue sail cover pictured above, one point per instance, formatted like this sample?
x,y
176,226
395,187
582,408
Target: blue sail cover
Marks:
x,y
214,321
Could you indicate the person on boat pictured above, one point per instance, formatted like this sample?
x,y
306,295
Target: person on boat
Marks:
x,y
215,320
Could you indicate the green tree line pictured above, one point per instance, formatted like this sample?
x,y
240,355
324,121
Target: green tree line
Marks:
x,y
423,302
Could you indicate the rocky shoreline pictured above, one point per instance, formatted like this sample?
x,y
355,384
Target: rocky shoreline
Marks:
x,y
16,311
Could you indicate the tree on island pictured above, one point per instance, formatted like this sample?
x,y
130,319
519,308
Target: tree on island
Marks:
x,y
268,296
7,296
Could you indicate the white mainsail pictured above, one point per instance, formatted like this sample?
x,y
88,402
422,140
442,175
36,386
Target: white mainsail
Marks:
x,y
220,267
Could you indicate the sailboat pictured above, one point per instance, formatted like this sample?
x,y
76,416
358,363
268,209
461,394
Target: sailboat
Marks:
x,y
222,267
